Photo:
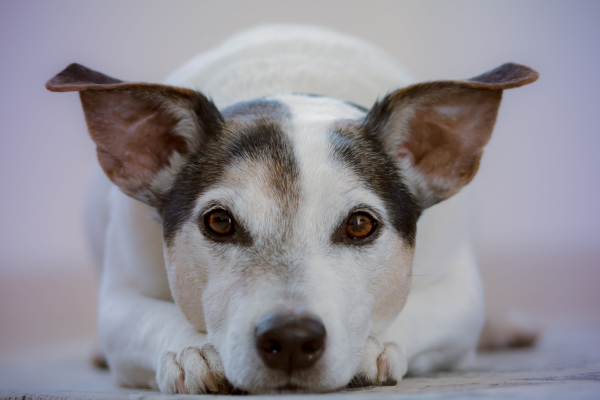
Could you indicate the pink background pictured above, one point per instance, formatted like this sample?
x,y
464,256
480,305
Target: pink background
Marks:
x,y
537,222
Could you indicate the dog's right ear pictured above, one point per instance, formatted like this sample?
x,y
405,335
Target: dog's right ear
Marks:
x,y
436,131
143,131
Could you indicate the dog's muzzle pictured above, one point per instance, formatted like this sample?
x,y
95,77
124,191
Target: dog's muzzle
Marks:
x,y
290,343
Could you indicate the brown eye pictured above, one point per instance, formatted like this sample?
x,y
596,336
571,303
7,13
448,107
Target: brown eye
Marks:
x,y
359,226
219,223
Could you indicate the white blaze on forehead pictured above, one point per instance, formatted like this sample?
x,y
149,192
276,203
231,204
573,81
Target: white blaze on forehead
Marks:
x,y
317,108
328,188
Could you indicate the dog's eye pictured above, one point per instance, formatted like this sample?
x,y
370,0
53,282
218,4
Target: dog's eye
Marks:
x,y
359,226
219,223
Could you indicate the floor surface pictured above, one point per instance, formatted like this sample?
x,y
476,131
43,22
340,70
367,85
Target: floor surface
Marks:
x,y
564,365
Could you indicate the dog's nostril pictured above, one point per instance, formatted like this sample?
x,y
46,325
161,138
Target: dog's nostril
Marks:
x,y
271,346
289,342
311,347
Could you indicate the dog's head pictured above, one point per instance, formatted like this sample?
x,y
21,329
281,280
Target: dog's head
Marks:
x,y
289,221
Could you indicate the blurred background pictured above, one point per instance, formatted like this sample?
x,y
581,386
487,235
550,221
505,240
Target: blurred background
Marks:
x,y
537,223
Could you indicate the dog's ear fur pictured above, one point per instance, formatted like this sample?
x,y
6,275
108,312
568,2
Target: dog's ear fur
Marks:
x,y
143,131
436,131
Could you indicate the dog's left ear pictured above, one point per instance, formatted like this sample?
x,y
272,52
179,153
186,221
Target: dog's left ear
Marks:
x,y
436,131
143,131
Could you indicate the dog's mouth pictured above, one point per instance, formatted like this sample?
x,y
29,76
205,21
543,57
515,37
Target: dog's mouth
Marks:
x,y
292,388
289,388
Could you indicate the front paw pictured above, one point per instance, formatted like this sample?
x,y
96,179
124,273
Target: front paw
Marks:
x,y
382,364
193,370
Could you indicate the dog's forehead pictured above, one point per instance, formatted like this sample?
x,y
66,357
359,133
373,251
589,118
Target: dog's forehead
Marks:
x,y
279,144
283,172
311,107
295,158
295,108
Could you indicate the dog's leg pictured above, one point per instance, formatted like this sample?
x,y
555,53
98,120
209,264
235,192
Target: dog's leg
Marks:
x,y
148,342
144,335
96,221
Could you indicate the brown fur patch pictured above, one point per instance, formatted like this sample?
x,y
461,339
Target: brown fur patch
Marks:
x,y
449,145
135,136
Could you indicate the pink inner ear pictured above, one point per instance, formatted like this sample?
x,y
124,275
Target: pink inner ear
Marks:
x,y
447,135
134,135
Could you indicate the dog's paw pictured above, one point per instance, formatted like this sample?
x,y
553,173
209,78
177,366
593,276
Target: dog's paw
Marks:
x,y
192,371
382,364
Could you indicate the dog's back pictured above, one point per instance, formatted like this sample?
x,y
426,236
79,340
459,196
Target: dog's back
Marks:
x,y
286,58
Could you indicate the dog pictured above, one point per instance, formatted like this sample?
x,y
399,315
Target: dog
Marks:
x,y
300,232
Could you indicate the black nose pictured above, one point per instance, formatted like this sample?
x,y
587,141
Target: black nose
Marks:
x,y
290,342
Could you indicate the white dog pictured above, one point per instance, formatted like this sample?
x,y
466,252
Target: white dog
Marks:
x,y
265,240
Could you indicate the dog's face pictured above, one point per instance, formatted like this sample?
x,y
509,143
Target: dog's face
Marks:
x,y
289,221
293,212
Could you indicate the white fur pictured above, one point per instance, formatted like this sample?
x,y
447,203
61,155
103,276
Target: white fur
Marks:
x,y
140,326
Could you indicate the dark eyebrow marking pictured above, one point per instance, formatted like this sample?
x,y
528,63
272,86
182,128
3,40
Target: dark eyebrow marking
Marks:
x,y
363,153
265,142
252,130
358,107
361,108
254,109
